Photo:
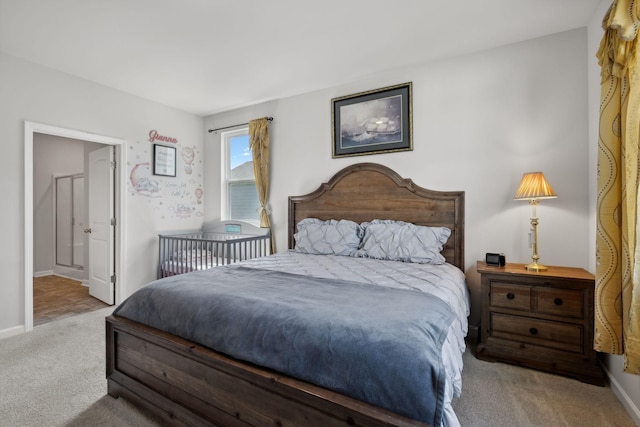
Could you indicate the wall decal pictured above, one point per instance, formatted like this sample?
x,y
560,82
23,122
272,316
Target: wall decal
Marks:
x,y
168,198
188,155
155,136
141,181
182,211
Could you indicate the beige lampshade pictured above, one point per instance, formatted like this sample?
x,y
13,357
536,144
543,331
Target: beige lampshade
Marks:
x,y
534,186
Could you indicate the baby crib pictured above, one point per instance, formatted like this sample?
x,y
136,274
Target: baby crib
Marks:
x,y
226,242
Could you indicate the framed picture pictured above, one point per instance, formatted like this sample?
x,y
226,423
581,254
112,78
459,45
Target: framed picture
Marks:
x,y
164,160
372,122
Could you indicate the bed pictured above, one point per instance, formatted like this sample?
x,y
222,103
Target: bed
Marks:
x,y
222,243
186,383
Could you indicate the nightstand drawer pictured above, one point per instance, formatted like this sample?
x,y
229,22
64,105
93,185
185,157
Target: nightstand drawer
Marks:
x,y
509,295
561,336
561,302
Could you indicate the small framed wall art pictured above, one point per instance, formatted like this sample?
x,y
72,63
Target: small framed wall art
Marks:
x,y
164,160
372,122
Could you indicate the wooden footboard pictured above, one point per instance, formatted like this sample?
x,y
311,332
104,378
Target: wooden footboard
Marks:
x,y
183,383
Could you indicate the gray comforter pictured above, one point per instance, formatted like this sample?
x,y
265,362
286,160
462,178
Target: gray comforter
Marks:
x,y
376,344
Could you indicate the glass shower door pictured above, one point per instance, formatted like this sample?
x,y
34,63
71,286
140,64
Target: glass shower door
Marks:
x,y
69,230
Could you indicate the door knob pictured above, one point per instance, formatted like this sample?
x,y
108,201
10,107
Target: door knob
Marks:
x,y
87,230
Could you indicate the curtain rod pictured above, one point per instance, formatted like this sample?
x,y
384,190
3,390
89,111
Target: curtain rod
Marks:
x,y
270,119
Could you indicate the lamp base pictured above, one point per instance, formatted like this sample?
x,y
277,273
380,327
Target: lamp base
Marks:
x,y
535,267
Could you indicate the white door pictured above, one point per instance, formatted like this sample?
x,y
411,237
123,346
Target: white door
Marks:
x,y
101,230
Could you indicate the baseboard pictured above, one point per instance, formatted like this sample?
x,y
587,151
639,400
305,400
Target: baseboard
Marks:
x,y
69,273
10,332
66,276
43,273
623,397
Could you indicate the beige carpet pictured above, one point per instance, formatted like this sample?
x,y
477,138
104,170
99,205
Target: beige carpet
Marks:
x,y
55,376
498,394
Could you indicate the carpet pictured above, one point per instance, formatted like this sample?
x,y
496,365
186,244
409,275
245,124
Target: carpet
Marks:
x,y
499,394
55,376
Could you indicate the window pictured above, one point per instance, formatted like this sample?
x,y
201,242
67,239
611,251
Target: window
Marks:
x,y
239,194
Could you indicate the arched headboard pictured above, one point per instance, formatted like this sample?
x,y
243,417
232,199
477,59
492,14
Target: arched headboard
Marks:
x,y
367,191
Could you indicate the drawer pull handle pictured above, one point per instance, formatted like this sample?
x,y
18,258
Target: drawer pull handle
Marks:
x,y
510,295
557,301
533,331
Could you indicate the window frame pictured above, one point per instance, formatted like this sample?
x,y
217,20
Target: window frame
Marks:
x,y
225,193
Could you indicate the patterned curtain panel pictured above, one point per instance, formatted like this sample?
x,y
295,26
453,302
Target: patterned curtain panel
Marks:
x,y
259,144
617,304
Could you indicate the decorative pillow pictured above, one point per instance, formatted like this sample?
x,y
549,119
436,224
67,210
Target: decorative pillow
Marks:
x,y
403,241
329,237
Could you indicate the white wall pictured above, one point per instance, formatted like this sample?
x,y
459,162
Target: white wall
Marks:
x,y
626,386
479,121
34,93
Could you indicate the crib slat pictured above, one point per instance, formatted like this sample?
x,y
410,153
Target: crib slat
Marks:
x,y
182,253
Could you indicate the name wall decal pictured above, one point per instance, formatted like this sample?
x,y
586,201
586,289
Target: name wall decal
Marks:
x,y
155,136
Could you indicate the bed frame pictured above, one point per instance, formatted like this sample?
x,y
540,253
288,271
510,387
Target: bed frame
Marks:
x,y
182,383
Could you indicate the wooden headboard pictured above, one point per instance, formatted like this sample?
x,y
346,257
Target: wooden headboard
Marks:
x,y
367,191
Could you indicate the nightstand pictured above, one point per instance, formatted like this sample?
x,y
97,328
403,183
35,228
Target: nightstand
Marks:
x,y
540,320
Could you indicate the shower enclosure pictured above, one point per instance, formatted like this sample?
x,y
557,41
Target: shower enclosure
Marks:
x,y
69,221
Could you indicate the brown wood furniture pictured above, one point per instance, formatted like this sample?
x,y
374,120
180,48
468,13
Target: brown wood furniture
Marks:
x,y
541,320
184,383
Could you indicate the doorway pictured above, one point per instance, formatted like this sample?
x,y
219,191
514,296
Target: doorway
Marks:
x,y
119,180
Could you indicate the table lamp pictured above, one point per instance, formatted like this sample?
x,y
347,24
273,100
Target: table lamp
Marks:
x,y
534,187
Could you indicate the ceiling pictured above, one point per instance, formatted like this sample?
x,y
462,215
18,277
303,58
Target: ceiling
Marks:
x,y
208,56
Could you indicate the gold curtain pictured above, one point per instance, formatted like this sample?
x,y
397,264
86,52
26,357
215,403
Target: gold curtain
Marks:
x,y
259,144
617,302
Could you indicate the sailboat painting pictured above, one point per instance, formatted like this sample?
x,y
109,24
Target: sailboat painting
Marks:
x,y
372,122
